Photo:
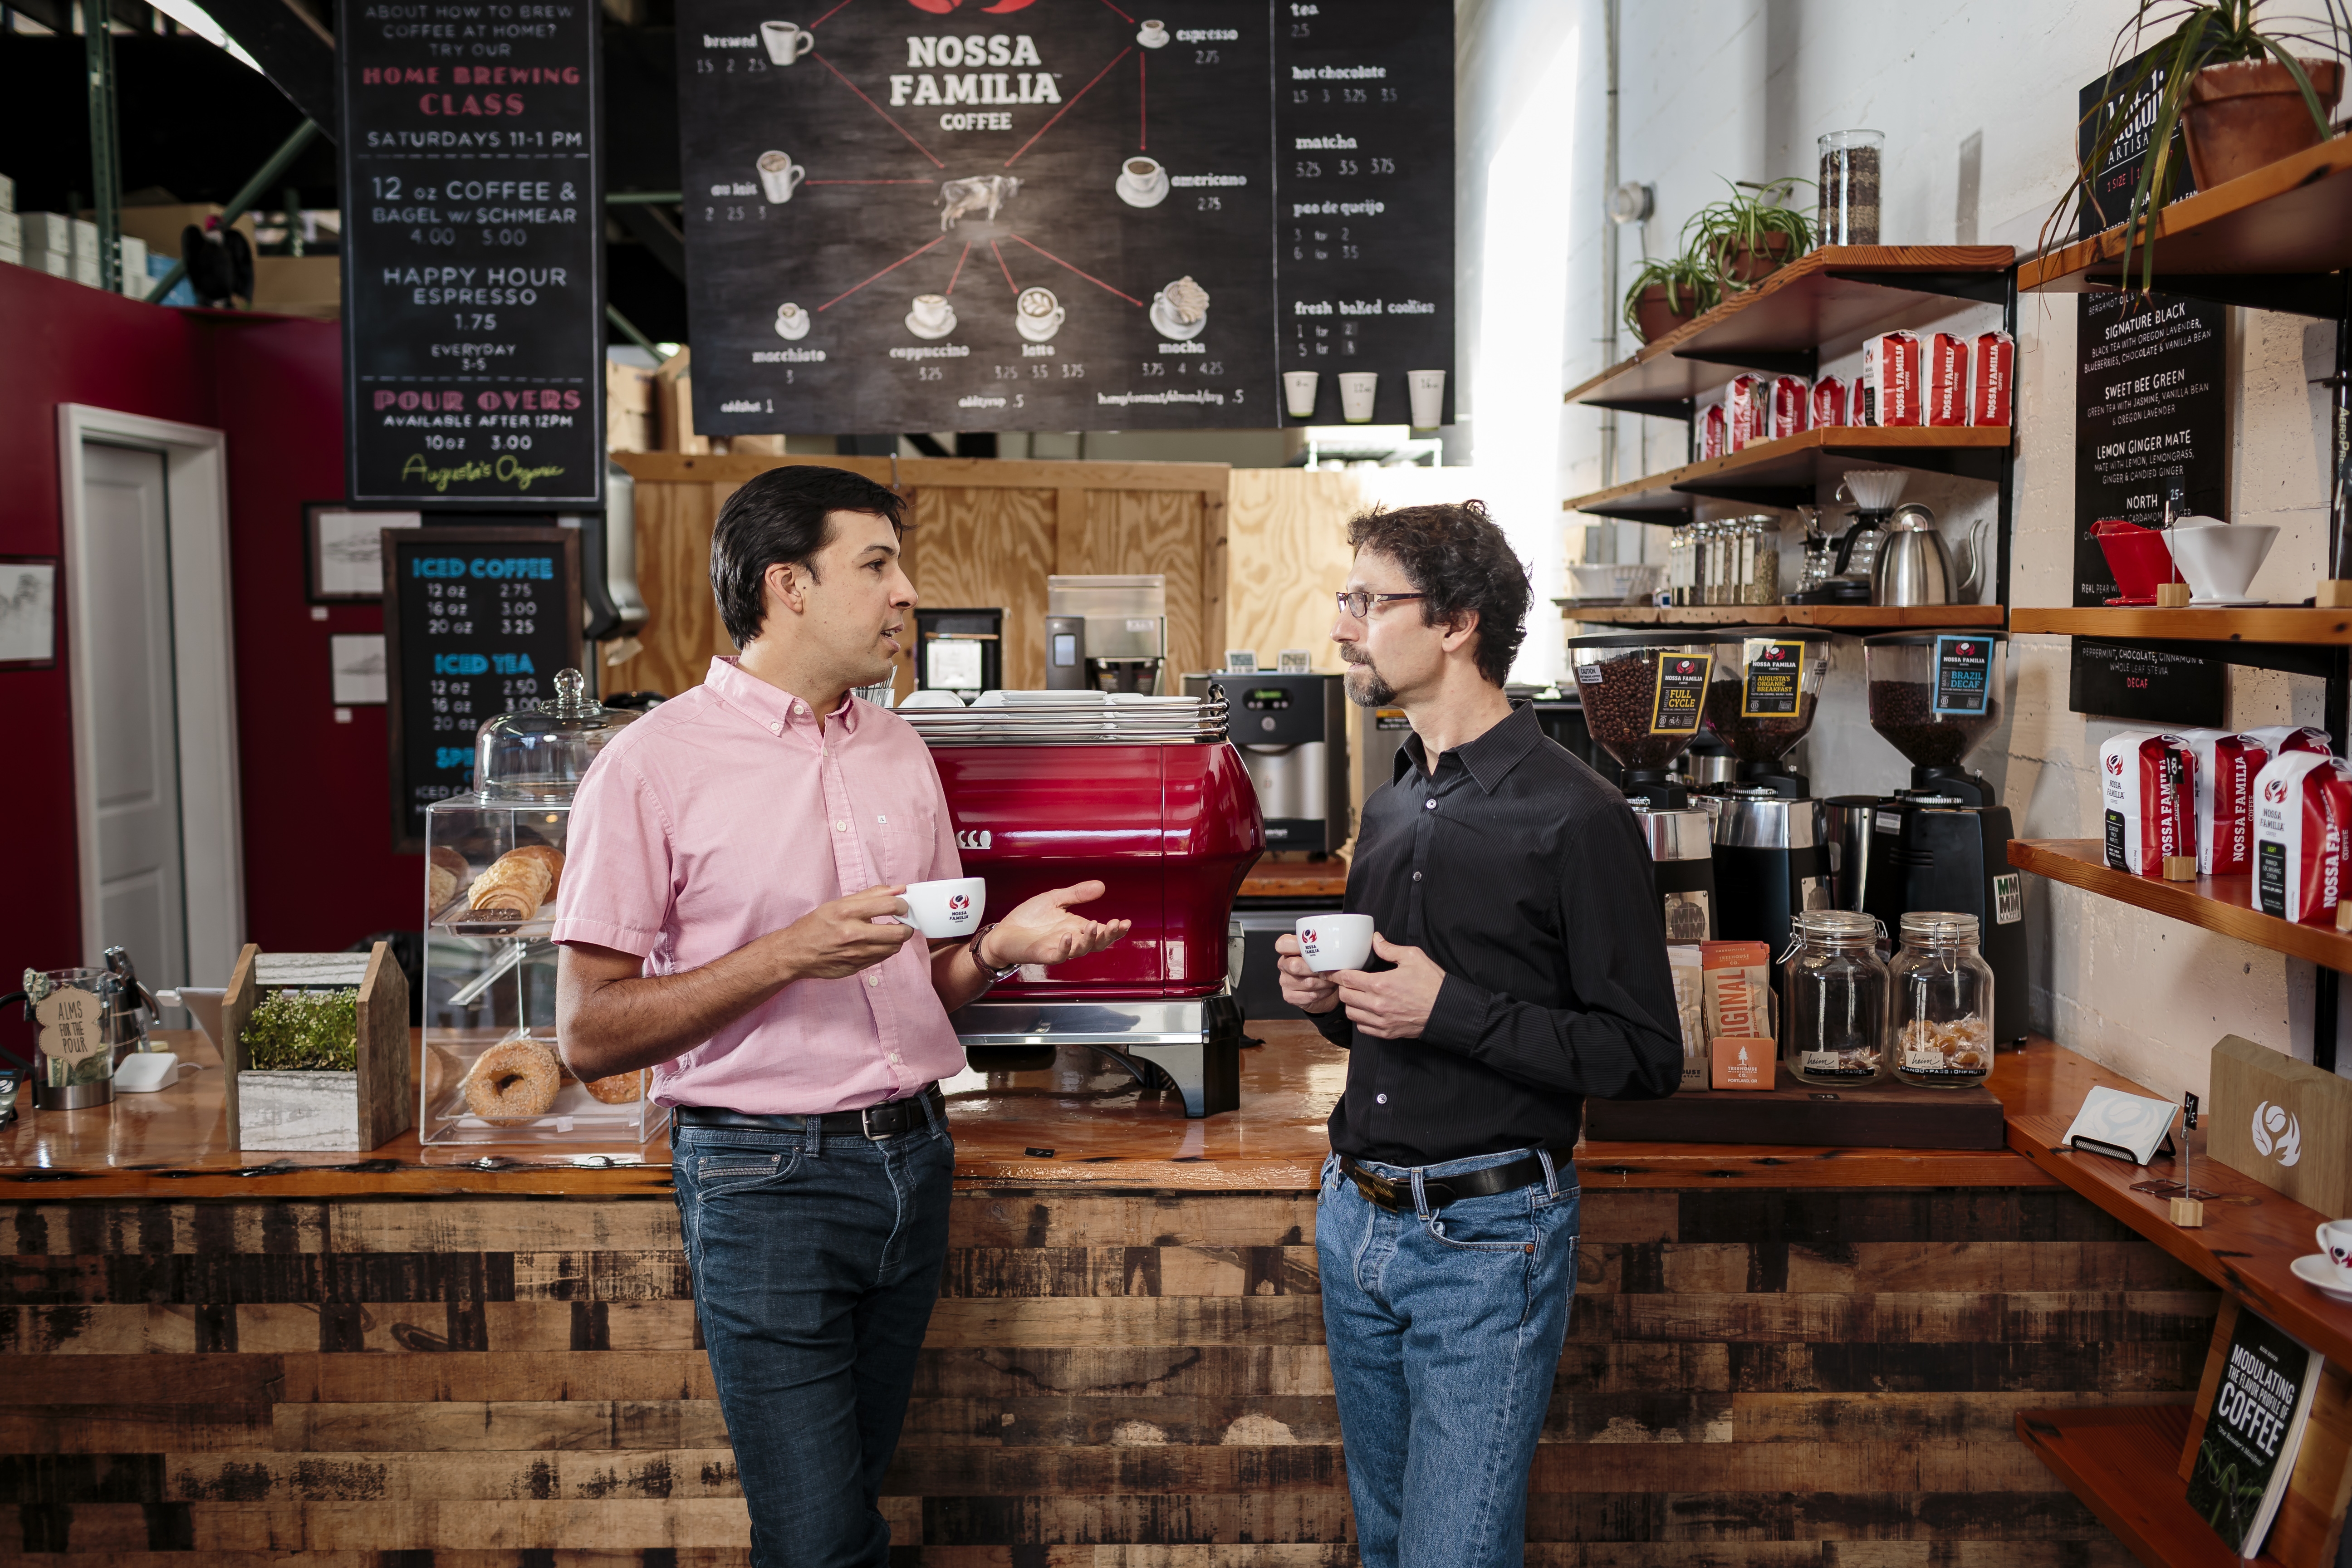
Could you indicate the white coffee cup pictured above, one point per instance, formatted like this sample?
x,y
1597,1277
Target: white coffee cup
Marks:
x,y
950,906
1427,389
932,313
1335,942
2336,1241
1355,388
1298,392
1153,35
791,322
780,176
786,41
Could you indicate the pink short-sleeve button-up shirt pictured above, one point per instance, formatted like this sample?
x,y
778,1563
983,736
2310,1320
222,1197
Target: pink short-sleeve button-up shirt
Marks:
x,y
727,813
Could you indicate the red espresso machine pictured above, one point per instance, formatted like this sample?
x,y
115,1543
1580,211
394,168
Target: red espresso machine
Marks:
x,y
1146,795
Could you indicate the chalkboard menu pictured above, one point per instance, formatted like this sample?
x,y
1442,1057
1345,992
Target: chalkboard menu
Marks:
x,y
1051,216
1363,180
472,254
476,622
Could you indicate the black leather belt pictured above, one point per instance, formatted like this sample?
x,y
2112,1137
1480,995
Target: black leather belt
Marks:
x,y
884,1121
1397,1196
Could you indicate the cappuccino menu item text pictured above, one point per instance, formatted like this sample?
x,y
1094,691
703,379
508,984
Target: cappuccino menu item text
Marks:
x,y
472,253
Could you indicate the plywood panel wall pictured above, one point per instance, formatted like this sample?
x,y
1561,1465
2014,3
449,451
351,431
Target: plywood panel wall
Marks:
x,y
989,549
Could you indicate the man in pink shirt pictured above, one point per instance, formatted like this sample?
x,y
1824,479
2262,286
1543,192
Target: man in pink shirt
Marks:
x,y
735,866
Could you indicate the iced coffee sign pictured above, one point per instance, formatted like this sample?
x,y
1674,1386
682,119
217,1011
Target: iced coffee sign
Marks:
x,y
472,247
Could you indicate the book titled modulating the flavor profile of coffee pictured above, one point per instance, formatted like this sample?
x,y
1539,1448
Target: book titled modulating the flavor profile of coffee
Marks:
x,y
2248,1452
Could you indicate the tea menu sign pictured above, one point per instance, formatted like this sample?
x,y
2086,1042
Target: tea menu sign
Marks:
x,y
937,214
472,253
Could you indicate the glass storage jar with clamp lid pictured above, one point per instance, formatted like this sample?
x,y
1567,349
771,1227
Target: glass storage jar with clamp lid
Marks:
x,y
1834,989
1943,1002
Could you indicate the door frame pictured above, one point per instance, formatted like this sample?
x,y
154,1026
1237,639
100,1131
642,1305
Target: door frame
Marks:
x,y
203,663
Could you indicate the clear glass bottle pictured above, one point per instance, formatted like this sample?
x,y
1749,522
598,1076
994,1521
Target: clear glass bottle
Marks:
x,y
1848,187
1764,561
1836,985
1942,1026
1710,556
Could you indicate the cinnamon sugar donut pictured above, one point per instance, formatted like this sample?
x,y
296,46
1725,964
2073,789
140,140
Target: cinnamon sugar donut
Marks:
x,y
514,1081
621,1088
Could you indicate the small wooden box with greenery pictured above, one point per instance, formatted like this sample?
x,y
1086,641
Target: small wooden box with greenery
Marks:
x,y
319,1050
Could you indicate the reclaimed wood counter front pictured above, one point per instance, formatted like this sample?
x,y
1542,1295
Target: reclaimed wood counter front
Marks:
x,y
1778,1356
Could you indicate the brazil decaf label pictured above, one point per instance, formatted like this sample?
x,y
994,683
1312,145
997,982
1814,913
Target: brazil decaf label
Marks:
x,y
1963,674
1682,693
1774,681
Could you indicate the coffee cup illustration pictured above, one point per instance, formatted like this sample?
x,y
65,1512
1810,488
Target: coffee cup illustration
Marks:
x,y
932,316
1153,35
1142,183
1181,311
1037,315
785,41
780,176
791,322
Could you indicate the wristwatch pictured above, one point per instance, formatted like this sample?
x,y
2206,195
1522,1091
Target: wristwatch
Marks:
x,y
995,977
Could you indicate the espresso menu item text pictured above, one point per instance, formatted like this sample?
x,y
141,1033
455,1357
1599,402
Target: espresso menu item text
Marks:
x,y
472,253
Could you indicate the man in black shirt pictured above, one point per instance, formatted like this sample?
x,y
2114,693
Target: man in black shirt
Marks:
x,y
1520,965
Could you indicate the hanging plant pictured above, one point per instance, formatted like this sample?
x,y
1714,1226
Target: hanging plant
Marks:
x,y
1668,294
2247,94
1748,236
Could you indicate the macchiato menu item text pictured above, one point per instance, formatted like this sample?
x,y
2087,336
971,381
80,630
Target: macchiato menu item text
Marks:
x,y
472,255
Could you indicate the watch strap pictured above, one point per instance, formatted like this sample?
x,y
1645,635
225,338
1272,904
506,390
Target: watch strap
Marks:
x,y
995,977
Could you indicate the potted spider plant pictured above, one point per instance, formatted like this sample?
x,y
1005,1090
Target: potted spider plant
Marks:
x,y
1752,233
1667,294
2246,93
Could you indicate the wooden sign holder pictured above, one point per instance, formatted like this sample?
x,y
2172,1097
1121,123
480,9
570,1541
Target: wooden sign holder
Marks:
x,y
387,1095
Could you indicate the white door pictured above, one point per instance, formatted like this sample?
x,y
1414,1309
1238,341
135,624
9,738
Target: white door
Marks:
x,y
134,744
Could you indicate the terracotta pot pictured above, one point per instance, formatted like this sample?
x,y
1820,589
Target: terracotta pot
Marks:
x,y
1653,318
1743,264
2248,113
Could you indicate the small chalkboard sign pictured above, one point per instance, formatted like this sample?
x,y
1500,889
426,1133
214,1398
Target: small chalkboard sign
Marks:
x,y
476,622
2152,683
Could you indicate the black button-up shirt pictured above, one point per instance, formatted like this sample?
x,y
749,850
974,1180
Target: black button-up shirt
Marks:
x,y
1524,876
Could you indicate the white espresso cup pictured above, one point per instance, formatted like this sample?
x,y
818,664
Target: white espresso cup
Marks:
x,y
931,311
1153,35
786,41
1298,392
791,322
1335,942
780,176
1427,389
2336,1241
950,906
1355,388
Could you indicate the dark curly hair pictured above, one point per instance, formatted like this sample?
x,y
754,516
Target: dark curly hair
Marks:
x,y
779,516
1456,557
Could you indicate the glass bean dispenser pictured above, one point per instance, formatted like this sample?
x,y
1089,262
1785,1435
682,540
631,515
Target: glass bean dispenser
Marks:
x,y
1943,1002
1835,984
494,879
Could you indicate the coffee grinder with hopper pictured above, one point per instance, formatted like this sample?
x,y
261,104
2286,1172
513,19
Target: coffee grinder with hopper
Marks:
x,y
1644,694
1942,844
1769,833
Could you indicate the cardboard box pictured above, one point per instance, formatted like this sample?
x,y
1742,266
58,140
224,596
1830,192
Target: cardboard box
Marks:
x,y
159,227
629,388
2285,1123
298,285
7,193
49,233
1743,1061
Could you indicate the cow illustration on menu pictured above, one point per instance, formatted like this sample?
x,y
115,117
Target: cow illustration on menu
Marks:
x,y
940,214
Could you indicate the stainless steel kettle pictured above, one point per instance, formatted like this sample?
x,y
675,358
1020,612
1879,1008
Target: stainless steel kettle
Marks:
x,y
1913,567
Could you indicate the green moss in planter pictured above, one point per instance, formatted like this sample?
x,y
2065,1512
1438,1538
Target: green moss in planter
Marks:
x,y
304,1031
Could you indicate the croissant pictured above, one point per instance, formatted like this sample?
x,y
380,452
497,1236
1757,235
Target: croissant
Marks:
x,y
544,855
518,885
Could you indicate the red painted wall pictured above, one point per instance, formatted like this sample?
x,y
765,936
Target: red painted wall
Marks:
x,y
319,870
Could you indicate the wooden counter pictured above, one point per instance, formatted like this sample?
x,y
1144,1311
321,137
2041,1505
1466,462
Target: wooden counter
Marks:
x,y
205,1361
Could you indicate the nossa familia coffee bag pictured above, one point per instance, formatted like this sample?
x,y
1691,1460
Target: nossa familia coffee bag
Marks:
x,y
2303,824
2148,783
2227,764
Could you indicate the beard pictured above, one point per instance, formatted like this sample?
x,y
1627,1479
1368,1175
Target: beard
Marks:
x,y
1364,685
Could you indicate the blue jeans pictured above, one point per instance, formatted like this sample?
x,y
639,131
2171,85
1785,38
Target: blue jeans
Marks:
x,y
1444,1328
815,1261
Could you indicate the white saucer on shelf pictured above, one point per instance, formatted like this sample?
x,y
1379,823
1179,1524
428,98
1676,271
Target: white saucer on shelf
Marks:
x,y
2196,604
2314,1270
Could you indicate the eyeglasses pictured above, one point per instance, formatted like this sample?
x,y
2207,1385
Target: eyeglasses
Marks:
x,y
1360,603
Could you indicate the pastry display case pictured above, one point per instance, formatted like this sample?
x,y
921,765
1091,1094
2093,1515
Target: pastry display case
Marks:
x,y
494,881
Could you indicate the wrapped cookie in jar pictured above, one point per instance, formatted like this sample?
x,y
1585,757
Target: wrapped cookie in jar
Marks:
x,y
1943,1002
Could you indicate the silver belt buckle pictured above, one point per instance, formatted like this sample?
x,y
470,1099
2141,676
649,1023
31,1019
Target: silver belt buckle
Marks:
x,y
866,1122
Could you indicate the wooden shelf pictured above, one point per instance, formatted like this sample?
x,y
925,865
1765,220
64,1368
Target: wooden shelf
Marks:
x,y
2290,220
1856,618
1791,472
1828,296
2272,624
2122,1462
2223,904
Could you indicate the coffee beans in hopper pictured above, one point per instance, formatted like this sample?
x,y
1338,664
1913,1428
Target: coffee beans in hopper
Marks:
x,y
1905,712
1618,709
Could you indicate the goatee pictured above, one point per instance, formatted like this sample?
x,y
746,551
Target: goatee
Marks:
x,y
1365,686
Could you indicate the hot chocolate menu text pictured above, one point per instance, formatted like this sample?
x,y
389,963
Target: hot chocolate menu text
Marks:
x,y
472,249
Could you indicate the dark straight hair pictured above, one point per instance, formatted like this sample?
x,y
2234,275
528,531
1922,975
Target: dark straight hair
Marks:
x,y
778,517
1457,558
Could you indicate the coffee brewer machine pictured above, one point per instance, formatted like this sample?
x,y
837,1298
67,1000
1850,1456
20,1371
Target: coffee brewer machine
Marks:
x,y
1643,694
1770,837
1107,634
1293,734
1942,844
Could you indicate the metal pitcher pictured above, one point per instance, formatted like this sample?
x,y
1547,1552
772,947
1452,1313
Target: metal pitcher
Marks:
x,y
1913,567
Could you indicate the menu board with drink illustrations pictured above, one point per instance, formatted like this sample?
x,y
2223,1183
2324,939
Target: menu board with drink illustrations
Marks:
x,y
477,623
1058,214
473,248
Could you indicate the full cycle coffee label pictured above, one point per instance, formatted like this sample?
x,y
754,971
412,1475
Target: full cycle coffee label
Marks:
x,y
1773,680
1963,674
1681,695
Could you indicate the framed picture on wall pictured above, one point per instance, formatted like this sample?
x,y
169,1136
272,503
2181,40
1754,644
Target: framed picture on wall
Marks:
x,y
29,612
344,550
